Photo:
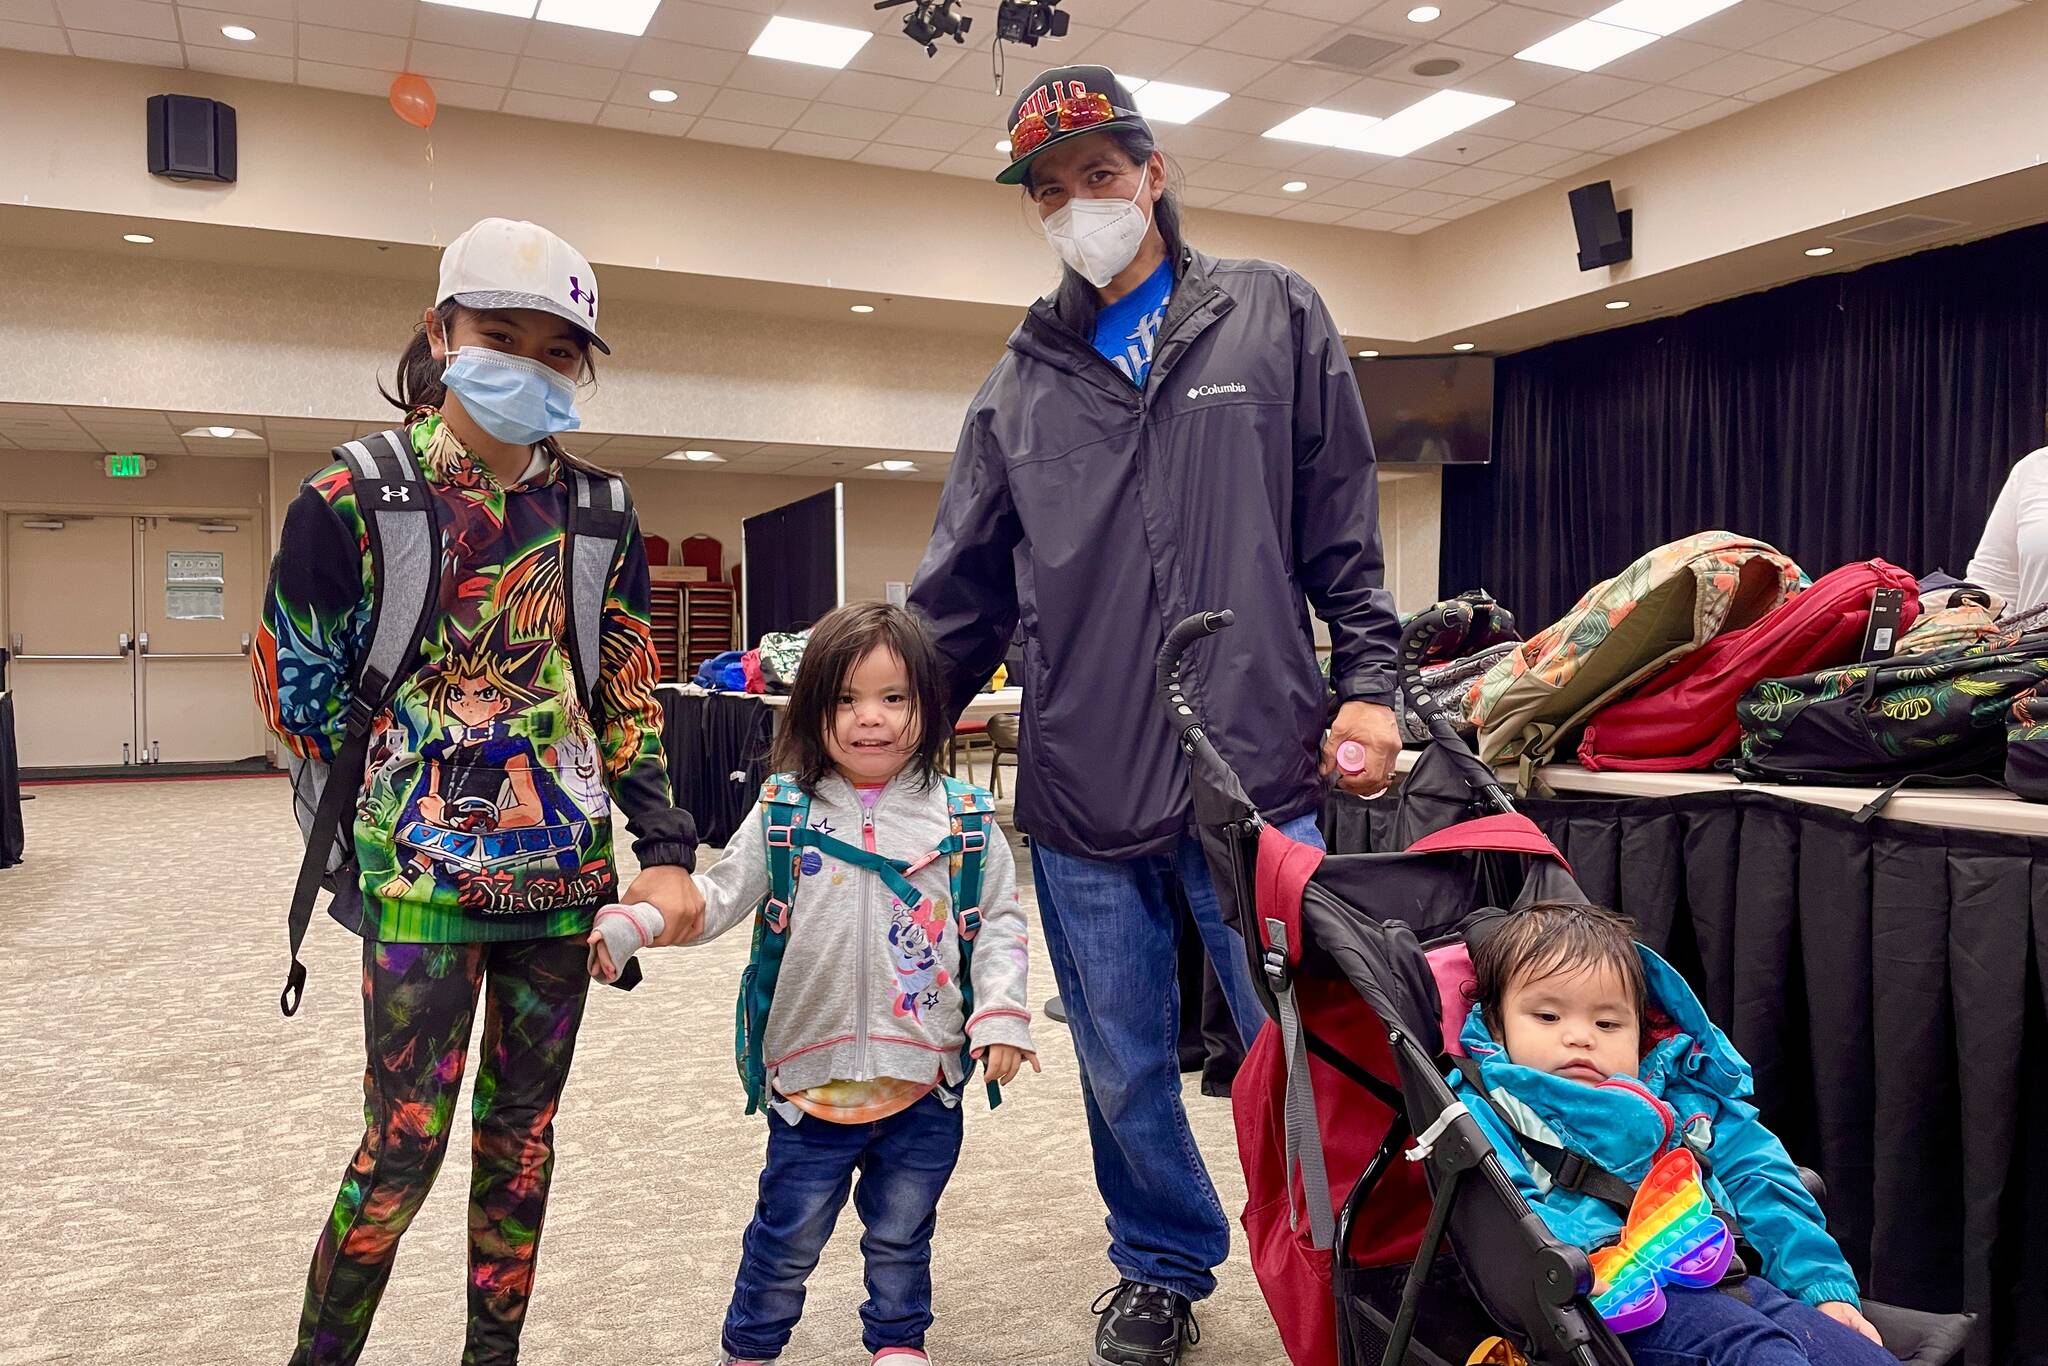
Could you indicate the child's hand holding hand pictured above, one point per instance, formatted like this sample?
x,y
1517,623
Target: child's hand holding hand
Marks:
x,y
620,932
671,890
1842,1312
1002,1062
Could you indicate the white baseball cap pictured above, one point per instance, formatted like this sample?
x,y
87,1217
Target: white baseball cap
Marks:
x,y
507,263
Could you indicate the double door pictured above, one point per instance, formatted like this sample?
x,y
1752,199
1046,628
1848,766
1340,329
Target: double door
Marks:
x,y
131,638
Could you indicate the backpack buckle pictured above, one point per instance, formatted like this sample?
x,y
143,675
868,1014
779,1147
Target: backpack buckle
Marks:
x,y
973,841
776,913
782,837
970,924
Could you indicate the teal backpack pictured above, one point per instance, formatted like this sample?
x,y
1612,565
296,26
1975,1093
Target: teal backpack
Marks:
x,y
785,819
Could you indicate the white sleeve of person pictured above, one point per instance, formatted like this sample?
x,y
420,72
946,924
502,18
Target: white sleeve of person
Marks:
x,y
627,929
1002,956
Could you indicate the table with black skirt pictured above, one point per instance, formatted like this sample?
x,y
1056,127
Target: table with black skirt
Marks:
x,y
11,834
717,750
1886,977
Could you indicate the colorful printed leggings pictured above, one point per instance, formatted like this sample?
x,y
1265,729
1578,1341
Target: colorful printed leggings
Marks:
x,y
418,1004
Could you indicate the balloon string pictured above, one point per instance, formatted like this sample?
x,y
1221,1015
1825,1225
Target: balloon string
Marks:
x,y
433,224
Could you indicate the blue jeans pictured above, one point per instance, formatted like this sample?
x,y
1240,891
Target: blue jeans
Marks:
x,y
1113,932
904,1163
1754,1324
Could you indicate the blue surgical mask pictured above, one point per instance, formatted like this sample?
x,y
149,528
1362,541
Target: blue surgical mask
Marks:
x,y
518,401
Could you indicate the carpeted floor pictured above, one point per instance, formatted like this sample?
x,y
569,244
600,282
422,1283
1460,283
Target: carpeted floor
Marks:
x,y
169,1144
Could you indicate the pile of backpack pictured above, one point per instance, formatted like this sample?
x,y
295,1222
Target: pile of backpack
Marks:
x,y
1717,651
770,667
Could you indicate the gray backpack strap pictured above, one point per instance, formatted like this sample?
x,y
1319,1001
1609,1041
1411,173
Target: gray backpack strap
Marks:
x,y
405,567
600,518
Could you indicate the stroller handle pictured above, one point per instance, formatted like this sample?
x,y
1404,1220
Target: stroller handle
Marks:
x,y
1190,630
1415,642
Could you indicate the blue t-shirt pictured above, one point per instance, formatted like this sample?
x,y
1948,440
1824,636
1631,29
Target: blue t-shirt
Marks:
x,y
1126,330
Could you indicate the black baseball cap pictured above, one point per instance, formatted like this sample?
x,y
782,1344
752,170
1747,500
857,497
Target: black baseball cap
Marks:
x,y
1058,86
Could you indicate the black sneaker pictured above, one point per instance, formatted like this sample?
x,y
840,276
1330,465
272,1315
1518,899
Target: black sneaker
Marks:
x,y
1142,1325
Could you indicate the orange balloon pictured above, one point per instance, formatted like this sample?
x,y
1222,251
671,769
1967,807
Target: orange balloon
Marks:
x,y
413,100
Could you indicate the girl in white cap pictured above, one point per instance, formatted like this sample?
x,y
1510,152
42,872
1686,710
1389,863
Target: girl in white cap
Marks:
x,y
482,839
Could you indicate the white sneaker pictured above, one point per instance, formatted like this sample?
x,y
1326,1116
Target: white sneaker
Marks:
x,y
900,1356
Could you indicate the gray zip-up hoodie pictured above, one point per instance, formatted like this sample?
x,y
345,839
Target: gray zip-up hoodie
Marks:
x,y
869,989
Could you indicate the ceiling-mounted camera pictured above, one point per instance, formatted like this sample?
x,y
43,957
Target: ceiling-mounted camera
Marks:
x,y
931,21
1026,21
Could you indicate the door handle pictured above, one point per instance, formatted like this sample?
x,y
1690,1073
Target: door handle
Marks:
x,y
221,654
21,658
142,642
127,645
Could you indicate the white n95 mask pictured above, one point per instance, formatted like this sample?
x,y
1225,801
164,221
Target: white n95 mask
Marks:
x,y
1099,237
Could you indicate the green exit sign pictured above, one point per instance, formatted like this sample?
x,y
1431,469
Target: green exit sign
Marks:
x,y
126,466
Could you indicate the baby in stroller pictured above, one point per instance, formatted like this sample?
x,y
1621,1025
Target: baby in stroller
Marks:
x,y
1587,1057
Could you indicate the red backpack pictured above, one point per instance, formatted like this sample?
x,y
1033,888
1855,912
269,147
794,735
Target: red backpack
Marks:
x,y
1683,719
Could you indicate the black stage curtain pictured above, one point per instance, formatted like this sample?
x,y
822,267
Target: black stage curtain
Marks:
x,y
1870,413
11,834
1887,983
708,739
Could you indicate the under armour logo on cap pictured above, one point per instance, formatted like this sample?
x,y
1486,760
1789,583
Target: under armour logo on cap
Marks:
x,y
586,297
397,493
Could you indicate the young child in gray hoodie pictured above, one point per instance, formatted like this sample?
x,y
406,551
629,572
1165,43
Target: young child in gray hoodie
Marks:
x,y
866,1044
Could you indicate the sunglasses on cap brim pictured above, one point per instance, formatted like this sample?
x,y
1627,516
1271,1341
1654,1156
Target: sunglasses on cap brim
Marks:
x,y
1031,132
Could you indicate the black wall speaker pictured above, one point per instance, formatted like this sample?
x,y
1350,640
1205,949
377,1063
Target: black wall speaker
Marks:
x,y
1606,238
191,138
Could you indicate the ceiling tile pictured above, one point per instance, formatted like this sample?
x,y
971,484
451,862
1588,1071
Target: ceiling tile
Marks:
x,y
32,38
468,94
1214,69
766,76
1464,148
42,12
1263,204
369,16
462,63
819,145
983,109
1507,29
1195,197
936,135
902,158
1334,163
1275,35
972,167
1574,9
1770,90
1376,96
1317,213
1819,39
1518,80
1358,194
348,47
1184,21
1199,143
1136,54
1297,85
1819,6
743,106
1273,153
545,77
1391,18
1526,159
866,91
1471,180
1243,114
1470,206
1660,62
355,80
1377,220
710,25
471,28
682,62
1855,57
889,53
1420,201
1635,142
202,28
251,66
1588,93
127,18
1407,174
635,120
1472,64
1965,16
1699,118
1527,121
1329,11
1747,26
1896,14
838,120
1735,73
584,46
530,105
113,47
1660,104
1225,175
689,99
735,134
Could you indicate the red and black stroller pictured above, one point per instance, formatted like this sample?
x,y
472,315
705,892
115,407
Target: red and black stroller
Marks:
x,y
1382,1227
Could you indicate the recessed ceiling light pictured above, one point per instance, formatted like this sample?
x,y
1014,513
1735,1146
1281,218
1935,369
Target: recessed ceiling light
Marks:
x,y
1429,120
1295,186
1810,251
862,308
139,239
610,16
696,457
1586,46
1324,128
1661,17
1368,355
1617,305
1003,146
1424,14
1462,346
799,40
518,9
1165,102
662,96
224,433
894,466
238,33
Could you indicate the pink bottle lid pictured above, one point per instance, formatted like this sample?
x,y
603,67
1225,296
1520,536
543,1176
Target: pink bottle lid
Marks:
x,y
1351,758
